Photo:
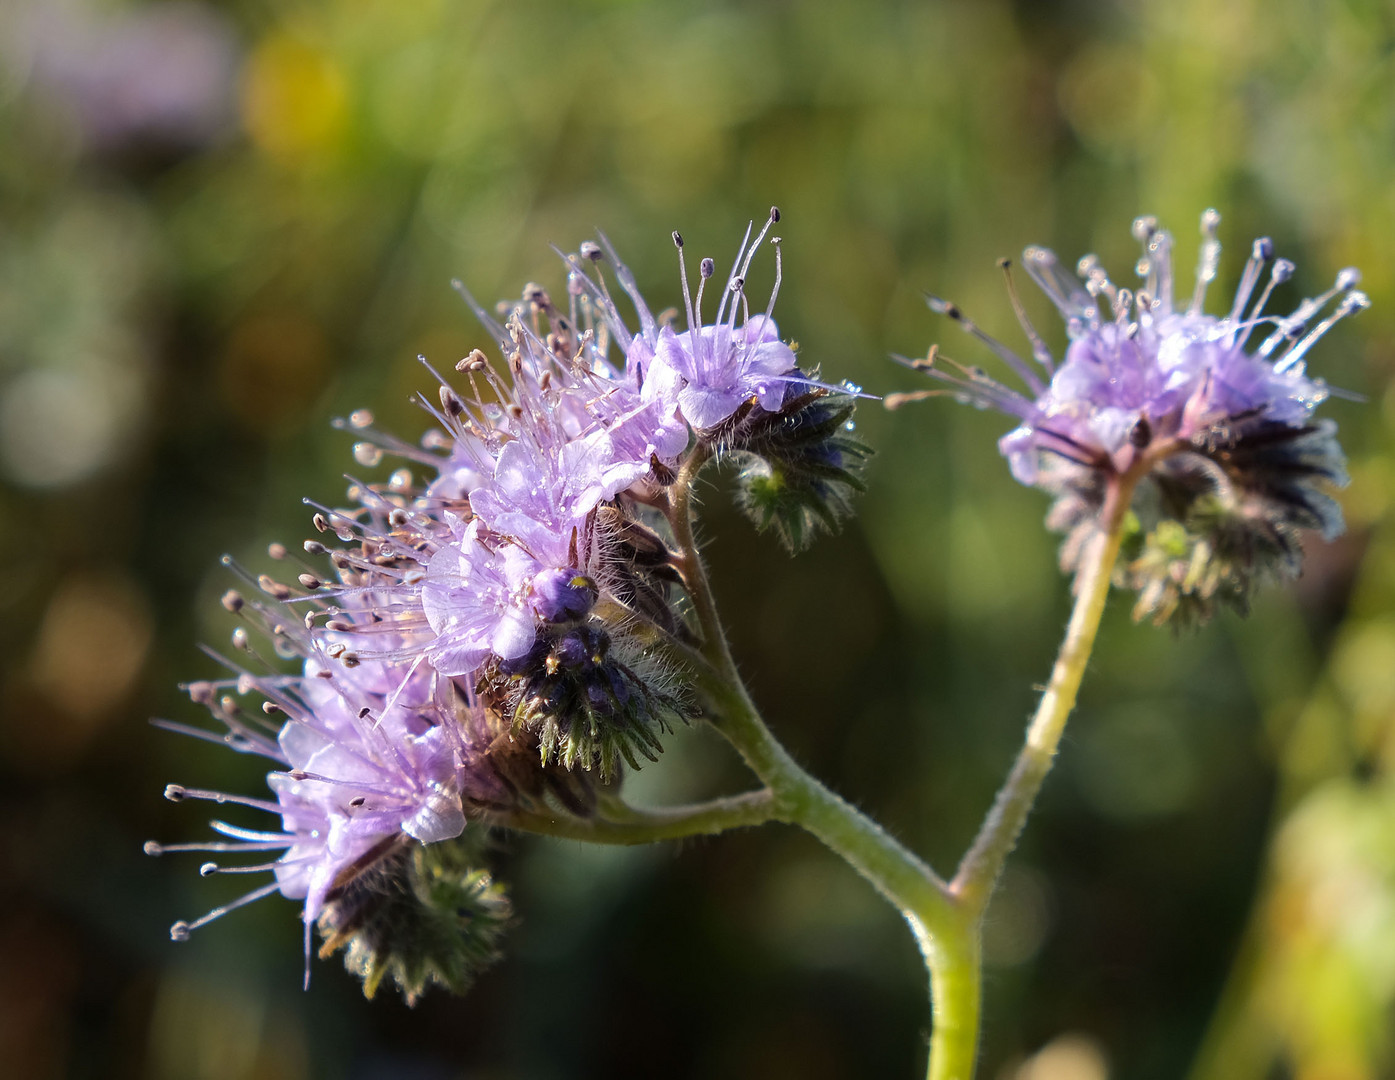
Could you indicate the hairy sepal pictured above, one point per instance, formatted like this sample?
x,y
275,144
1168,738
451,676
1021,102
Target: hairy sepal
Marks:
x,y
1212,523
424,914
798,469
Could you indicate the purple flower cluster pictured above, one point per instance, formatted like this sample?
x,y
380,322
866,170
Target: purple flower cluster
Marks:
x,y
1138,369
495,603
1232,463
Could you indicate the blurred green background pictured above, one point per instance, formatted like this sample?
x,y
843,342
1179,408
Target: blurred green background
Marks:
x,y
223,224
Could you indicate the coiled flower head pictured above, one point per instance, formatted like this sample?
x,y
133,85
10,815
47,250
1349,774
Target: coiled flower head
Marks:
x,y
498,628
1235,463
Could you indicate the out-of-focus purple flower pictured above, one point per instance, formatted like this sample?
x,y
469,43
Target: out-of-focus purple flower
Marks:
x,y
1138,371
162,74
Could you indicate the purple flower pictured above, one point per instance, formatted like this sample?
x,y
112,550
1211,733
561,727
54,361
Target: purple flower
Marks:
x,y
703,375
716,370
1137,371
710,371
374,755
476,599
1229,462
544,490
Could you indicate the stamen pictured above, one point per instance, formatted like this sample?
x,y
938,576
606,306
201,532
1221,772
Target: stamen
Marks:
x,y
178,793
1160,270
706,269
1350,305
694,328
779,274
1018,365
1063,289
156,849
760,237
254,836
1280,272
734,280
894,401
1207,261
1040,352
1290,326
181,930
1260,253
208,869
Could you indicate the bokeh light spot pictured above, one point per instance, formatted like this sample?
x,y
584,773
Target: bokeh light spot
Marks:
x,y
295,99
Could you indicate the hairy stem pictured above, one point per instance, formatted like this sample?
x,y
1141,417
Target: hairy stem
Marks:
x,y
981,867
956,972
625,824
947,940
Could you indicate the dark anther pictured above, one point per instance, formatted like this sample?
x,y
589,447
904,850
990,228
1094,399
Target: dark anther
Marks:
x,y
1141,434
774,213
450,402
677,239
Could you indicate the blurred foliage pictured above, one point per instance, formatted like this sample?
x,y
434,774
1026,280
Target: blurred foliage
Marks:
x,y
221,225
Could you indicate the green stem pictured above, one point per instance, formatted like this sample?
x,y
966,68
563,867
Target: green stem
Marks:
x,y
955,988
947,940
946,919
981,867
624,824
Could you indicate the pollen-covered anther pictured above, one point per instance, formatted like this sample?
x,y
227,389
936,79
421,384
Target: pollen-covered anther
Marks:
x,y
273,588
232,600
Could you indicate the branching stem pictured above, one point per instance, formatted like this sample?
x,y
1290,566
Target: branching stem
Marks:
x,y
935,916
946,918
624,824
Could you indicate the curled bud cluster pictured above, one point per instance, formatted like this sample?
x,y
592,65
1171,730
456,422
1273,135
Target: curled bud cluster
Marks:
x,y
497,628
1235,464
